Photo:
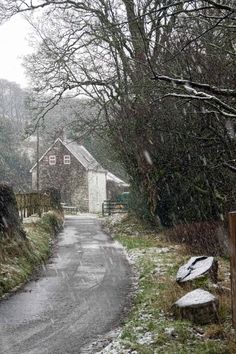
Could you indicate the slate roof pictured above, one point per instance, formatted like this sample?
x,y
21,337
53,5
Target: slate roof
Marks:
x,y
80,153
83,156
113,178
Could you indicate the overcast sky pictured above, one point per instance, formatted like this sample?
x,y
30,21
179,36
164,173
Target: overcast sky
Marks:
x,y
13,46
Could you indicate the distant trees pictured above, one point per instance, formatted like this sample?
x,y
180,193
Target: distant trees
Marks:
x,y
12,103
163,73
14,164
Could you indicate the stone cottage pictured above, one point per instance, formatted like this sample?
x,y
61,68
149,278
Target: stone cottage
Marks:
x,y
82,181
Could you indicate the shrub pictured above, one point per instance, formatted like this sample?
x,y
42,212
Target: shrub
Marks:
x,y
201,237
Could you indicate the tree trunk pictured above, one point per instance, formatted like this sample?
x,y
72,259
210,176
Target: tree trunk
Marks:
x,y
198,306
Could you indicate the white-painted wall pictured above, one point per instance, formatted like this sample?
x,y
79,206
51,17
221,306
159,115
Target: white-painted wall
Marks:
x,y
34,179
97,190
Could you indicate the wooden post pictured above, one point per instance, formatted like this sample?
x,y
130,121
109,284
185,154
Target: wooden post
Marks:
x,y
39,205
232,230
24,203
30,205
21,207
109,208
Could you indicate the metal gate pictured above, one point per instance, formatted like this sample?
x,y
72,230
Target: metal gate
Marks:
x,y
110,207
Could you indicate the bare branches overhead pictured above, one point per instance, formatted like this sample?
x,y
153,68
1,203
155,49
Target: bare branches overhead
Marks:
x,y
164,74
106,49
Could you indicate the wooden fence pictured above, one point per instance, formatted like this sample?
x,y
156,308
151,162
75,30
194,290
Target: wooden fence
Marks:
x,y
112,207
32,203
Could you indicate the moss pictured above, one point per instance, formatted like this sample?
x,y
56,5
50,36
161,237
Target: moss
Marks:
x,y
19,258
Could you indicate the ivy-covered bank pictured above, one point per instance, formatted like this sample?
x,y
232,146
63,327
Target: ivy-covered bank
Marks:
x,y
151,327
19,257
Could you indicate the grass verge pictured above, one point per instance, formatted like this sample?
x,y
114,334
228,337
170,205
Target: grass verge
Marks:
x,y
151,327
20,257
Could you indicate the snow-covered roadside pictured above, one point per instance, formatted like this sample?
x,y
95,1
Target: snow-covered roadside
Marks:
x,y
150,326
113,342
22,257
117,344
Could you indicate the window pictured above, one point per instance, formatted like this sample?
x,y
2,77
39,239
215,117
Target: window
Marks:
x,y
67,159
52,160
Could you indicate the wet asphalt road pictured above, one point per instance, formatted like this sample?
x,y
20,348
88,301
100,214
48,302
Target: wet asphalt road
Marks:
x,y
80,294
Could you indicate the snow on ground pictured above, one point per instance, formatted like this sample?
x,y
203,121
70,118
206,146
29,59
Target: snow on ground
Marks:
x,y
137,332
112,343
116,345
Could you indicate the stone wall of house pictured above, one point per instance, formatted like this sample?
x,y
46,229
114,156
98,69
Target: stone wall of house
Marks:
x,y
80,198
71,179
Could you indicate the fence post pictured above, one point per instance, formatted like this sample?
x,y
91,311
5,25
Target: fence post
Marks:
x,y
39,204
232,231
21,207
30,205
24,203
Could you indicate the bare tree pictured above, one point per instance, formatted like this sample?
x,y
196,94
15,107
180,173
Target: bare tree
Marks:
x,y
12,103
163,73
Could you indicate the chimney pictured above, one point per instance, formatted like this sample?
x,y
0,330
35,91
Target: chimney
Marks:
x,y
61,134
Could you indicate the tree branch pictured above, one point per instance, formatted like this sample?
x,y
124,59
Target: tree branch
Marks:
x,y
193,84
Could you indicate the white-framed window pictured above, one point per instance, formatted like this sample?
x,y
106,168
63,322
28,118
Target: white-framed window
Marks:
x,y
52,160
67,159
